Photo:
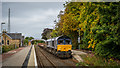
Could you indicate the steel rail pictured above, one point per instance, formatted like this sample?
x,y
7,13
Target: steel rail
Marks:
x,y
48,58
39,60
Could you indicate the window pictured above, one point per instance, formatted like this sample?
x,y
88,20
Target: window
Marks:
x,y
2,41
47,43
52,43
8,42
60,41
67,42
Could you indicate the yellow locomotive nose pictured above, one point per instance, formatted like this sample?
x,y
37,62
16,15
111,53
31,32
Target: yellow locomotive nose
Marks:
x,y
64,47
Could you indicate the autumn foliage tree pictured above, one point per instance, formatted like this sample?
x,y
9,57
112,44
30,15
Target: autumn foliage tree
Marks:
x,y
99,25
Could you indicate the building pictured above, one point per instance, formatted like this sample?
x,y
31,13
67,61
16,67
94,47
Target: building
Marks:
x,y
11,39
46,33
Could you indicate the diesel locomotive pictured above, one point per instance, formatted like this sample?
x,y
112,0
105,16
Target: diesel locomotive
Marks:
x,y
60,46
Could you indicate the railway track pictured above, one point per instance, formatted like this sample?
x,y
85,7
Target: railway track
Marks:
x,y
67,63
46,62
45,58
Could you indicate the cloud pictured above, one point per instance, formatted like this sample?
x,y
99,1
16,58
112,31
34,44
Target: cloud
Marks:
x,y
31,20
46,16
0,12
34,0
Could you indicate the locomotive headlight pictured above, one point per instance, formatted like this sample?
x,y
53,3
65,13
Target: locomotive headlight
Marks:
x,y
59,48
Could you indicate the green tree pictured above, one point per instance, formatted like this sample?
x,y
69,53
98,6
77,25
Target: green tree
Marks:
x,y
27,39
37,41
30,38
99,26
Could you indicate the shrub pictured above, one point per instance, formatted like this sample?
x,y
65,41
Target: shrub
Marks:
x,y
6,48
108,49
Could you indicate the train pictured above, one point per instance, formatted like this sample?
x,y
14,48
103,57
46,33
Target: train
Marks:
x,y
59,46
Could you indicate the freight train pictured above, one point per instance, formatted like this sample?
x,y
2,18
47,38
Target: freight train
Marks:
x,y
59,46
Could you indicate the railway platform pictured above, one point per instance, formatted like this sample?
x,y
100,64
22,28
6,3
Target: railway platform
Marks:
x,y
19,59
76,53
32,60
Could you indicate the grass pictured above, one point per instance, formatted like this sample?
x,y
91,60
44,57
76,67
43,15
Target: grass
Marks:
x,y
94,60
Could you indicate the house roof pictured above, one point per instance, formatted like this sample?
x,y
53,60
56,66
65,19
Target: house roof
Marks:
x,y
14,35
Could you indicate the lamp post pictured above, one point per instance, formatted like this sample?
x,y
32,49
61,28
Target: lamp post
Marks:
x,y
1,36
15,41
79,38
21,41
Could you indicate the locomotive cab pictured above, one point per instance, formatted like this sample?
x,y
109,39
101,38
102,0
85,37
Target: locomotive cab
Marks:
x,y
64,46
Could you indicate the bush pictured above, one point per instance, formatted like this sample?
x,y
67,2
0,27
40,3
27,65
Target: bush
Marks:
x,y
83,46
6,48
108,49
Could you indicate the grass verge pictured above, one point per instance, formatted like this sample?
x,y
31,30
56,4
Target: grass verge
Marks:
x,y
97,61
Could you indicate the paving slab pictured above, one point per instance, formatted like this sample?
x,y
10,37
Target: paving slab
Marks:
x,y
76,55
17,59
10,53
78,52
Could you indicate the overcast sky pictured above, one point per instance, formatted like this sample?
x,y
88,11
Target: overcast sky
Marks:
x,y
30,18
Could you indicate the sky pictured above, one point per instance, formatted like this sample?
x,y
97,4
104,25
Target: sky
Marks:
x,y
30,18
0,12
